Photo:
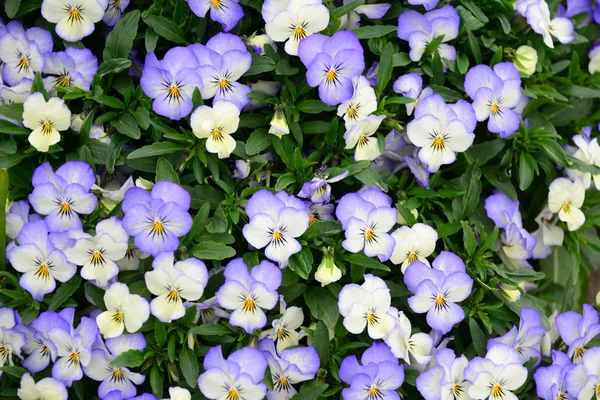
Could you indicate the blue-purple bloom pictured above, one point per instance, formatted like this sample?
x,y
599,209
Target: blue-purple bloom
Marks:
x,y
63,194
12,339
288,368
419,30
446,379
318,188
275,223
171,82
239,376
72,67
248,293
583,380
331,64
222,62
23,51
367,224
39,346
227,12
116,378
114,10
503,210
578,330
428,4
550,381
372,11
377,376
411,85
495,94
17,216
437,290
159,218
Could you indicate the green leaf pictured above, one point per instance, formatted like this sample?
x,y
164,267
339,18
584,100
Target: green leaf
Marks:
x,y
323,306
211,330
12,111
156,149
210,250
165,28
257,142
260,64
581,92
189,366
96,294
302,263
399,100
126,125
156,382
11,129
64,292
128,359
311,392
15,371
321,342
384,73
3,197
160,332
165,171
481,153
322,228
120,40
12,7
401,60
367,262
470,181
113,66
554,151
527,168
479,338
448,229
374,31
474,44
468,238
314,107
346,8
285,180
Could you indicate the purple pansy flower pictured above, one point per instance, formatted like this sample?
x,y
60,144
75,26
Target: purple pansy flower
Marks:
x,y
419,30
114,10
437,290
72,67
550,381
63,194
227,12
495,93
39,260
377,376
288,368
116,378
222,62
583,380
17,216
428,4
578,330
171,82
411,85
23,51
275,223
239,376
318,188
40,348
248,293
372,11
12,340
332,63
517,243
502,210
367,226
446,379
159,218
527,338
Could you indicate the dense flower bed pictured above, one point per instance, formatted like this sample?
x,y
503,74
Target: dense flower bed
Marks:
x,y
240,199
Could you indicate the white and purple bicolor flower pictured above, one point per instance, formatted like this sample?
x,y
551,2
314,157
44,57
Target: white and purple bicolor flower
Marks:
x,y
577,330
23,52
548,234
413,243
362,136
98,255
437,290
332,63
411,85
419,30
495,94
441,130
222,62
497,375
445,380
367,225
551,381
114,10
362,104
72,67
63,194
377,376
318,189
587,150
503,210
237,377
275,225
248,293
583,379
74,348
12,339
116,378
226,12
124,311
537,13
412,348
171,82
367,306
291,21
527,338
173,281
159,218
39,346
428,4
285,329
566,197
372,11
74,19
39,260
44,389
288,367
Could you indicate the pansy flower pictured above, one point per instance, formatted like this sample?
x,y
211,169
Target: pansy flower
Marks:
x,y
551,381
583,380
318,189
406,345
114,10
566,197
285,329
413,243
362,136
39,346
362,104
227,12
372,11
217,124
74,19
72,67
46,119
12,340
124,311
446,379
577,330
44,389
411,85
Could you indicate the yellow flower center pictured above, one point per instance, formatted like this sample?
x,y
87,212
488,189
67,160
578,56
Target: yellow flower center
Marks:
x,y
3,353
173,295
440,302
370,236
372,319
299,33
23,64
74,15
566,207
282,333
278,237
158,228
73,358
64,81
217,135
438,143
249,305
65,209
283,382
224,84
352,112
43,272
216,3
579,351
497,391
174,93
374,392
118,317
363,140
312,219
411,257
47,128
97,258
331,76
117,375
457,389
495,108
233,394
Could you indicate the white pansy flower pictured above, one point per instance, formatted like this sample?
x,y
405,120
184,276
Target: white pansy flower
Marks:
x,y
587,151
361,136
566,198
74,19
45,389
406,345
362,104
413,243
217,124
285,329
123,311
46,119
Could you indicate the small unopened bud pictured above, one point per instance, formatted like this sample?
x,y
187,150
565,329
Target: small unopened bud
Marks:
x,y
511,293
258,42
594,55
328,272
191,340
526,59
279,125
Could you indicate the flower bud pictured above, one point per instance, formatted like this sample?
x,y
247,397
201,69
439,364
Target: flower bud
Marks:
x,y
258,42
144,183
328,272
511,293
279,125
594,65
526,59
